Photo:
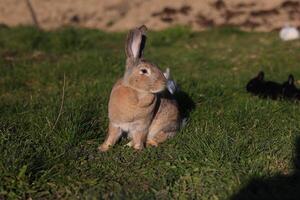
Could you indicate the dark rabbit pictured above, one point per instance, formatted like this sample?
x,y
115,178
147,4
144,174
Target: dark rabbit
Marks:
x,y
267,89
289,90
255,85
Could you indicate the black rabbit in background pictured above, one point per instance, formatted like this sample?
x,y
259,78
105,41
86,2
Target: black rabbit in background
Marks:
x,y
255,85
270,89
289,90
267,89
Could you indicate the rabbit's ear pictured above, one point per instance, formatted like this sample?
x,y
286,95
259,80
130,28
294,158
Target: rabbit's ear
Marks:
x,y
135,43
291,79
167,73
261,75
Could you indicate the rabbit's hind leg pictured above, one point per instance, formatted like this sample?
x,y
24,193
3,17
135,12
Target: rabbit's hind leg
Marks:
x,y
160,137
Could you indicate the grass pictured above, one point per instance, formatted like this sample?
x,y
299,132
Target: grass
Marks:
x,y
231,137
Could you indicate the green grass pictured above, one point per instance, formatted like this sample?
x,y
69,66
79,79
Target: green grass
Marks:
x,y
231,136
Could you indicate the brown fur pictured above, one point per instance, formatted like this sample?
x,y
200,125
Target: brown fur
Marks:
x,y
166,121
135,105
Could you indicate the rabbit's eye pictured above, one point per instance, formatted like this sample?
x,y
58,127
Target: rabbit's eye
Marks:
x,y
144,71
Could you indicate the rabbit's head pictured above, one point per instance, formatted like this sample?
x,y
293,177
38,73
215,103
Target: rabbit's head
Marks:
x,y
288,88
255,85
141,74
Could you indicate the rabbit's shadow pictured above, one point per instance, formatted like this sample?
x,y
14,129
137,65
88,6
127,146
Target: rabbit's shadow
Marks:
x,y
185,103
277,187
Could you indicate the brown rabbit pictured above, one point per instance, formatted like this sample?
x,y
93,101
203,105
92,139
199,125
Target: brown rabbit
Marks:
x,y
139,103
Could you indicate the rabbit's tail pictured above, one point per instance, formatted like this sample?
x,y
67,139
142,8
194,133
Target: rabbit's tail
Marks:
x,y
171,84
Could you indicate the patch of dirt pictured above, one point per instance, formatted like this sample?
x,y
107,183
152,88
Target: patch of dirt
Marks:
x,y
121,15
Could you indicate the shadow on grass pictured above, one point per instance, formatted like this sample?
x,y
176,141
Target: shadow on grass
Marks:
x,y
186,104
281,187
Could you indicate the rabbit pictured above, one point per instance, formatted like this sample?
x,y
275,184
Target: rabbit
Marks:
x,y
138,103
289,89
258,86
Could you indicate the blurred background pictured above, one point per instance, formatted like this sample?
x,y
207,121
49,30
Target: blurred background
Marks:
x,y
120,15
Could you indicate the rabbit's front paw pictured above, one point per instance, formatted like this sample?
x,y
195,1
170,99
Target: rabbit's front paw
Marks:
x,y
103,147
138,147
